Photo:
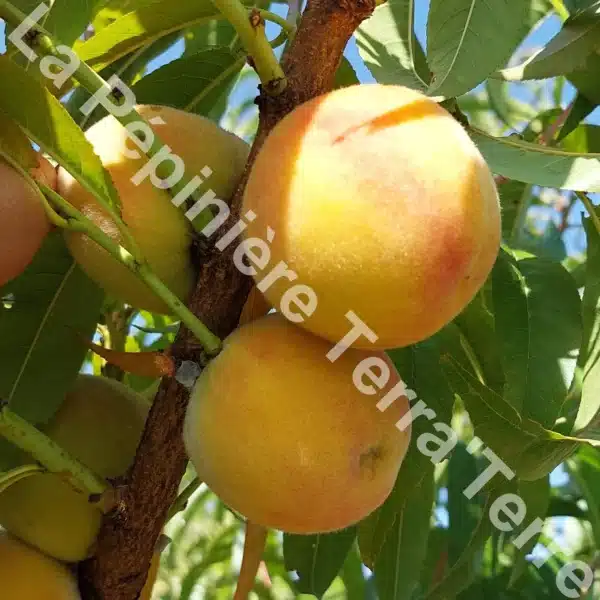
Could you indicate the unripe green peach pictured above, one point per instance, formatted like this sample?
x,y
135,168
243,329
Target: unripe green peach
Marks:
x,y
27,574
162,232
23,223
381,204
285,437
100,423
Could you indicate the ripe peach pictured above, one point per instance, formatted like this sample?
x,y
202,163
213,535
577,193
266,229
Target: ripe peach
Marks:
x,y
160,229
23,223
382,204
286,438
27,574
100,423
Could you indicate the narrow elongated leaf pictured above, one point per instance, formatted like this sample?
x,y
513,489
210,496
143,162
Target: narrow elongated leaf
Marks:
x,y
317,559
455,30
460,576
536,496
45,313
586,472
387,43
581,108
419,366
524,445
586,79
148,23
464,513
537,313
588,359
398,566
46,122
585,138
540,165
476,326
193,83
566,52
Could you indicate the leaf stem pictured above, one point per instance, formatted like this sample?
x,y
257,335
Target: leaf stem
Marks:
x,y
251,30
78,222
47,452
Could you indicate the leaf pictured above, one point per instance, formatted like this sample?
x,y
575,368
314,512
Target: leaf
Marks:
x,y
580,109
524,446
538,321
193,83
547,167
46,311
389,47
514,198
477,337
566,52
455,31
67,19
536,496
586,79
589,355
584,470
419,367
47,123
398,566
317,559
464,513
148,23
345,75
585,138
464,570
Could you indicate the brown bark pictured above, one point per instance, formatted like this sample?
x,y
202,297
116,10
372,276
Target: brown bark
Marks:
x,y
129,534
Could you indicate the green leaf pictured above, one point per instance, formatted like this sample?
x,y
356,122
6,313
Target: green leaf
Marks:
x,y
217,33
580,109
566,52
48,124
48,311
514,199
317,559
585,138
476,329
538,321
67,19
524,445
148,23
585,471
387,43
464,571
587,361
547,167
536,496
455,31
464,513
193,83
345,75
586,79
398,566
419,367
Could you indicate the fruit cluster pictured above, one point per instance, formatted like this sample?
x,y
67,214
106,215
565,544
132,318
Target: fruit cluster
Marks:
x,y
383,211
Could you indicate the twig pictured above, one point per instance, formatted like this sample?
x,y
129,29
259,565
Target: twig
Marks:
x,y
48,453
